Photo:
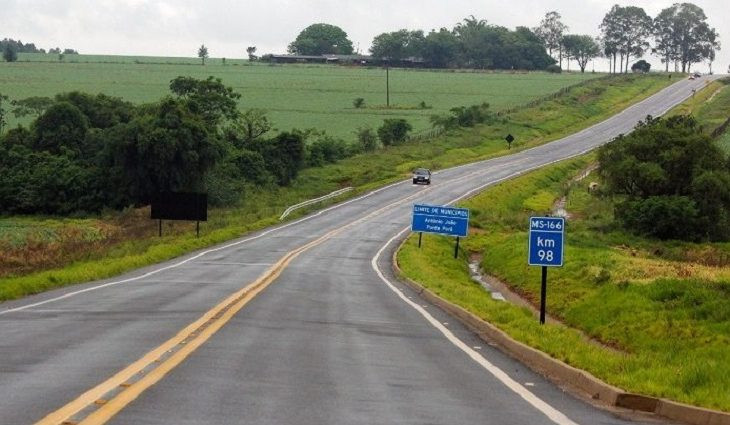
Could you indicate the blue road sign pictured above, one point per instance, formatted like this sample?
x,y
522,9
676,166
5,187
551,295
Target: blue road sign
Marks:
x,y
546,241
441,220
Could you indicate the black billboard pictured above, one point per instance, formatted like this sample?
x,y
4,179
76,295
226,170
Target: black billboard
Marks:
x,y
180,206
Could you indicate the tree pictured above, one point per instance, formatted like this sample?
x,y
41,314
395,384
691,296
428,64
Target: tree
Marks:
x,y
551,32
321,39
248,127
100,110
582,48
521,49
203,53
398,45
166,148
440,49
624,31
710,45
251,51
284,155
10,53
683,35
612,36
665,42
62,128
394,131
210,98
475,42
668,171
636,26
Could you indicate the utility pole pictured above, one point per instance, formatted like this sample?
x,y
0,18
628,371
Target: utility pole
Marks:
x,y
387,85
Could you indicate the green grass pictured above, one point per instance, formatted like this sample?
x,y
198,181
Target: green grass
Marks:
x,y
711,108
27,270
662,310
296,96
724,142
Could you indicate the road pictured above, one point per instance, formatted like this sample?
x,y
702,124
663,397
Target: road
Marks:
x,y
298,324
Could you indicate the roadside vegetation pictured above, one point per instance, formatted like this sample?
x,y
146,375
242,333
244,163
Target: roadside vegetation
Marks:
x,y
648,315
710,108
76,258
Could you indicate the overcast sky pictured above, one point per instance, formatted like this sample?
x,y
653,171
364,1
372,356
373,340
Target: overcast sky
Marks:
x,y
227,27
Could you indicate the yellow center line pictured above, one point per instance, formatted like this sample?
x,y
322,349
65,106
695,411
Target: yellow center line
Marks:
x,y
186,341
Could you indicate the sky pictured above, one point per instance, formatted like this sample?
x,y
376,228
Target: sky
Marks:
x,y
227,27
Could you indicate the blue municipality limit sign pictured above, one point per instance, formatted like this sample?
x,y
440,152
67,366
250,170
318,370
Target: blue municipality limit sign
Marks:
x,y
441,220
546,241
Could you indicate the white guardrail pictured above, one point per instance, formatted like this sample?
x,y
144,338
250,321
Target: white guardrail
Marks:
x,y
313,201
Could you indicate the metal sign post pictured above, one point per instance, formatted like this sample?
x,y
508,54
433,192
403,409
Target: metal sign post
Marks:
x,y
545,249
509,140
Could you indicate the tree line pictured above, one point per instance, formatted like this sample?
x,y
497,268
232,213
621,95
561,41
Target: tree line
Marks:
x,y
10,49
472,43
84,153
680,35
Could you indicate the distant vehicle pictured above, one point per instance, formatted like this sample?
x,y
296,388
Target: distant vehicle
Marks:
x,y
421,175
692,77
697,75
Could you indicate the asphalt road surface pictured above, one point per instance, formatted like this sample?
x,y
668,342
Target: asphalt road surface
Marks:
x,y
331,338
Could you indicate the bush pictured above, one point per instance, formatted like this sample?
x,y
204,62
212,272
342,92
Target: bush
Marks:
x,y
394,131
641,66
367,138
358,102
464,117
663,217
325,150
674,179
554,69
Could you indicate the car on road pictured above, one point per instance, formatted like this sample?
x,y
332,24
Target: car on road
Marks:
x,y
421,175
697,75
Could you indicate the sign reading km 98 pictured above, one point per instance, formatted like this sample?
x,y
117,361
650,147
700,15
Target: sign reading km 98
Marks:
x,y
441,220
546,241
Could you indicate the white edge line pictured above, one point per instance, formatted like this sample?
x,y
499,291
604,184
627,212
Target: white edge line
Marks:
x,y
549,411
172,266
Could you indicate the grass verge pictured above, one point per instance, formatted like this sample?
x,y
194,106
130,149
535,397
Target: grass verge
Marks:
x,y
661,310
80,260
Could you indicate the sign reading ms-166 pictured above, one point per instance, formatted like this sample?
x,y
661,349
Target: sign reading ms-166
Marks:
x,y
441,220
546,241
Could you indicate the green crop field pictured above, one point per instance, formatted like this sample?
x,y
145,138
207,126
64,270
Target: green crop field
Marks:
x,y
296,96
